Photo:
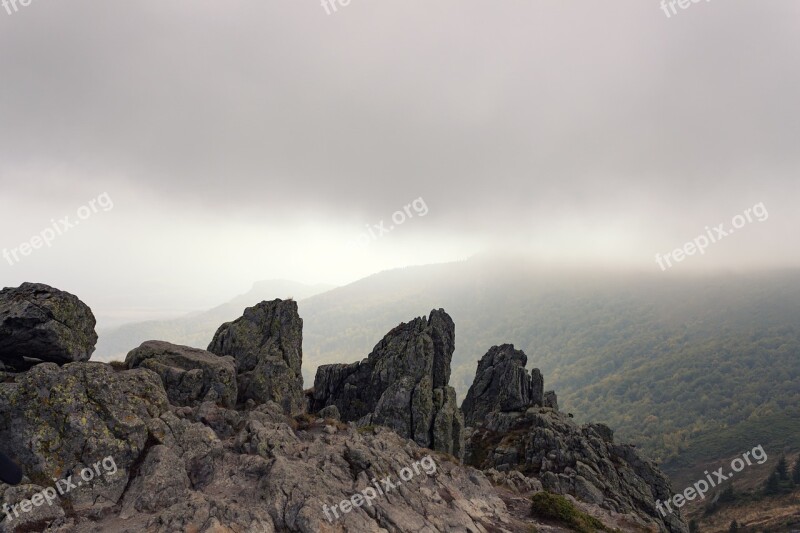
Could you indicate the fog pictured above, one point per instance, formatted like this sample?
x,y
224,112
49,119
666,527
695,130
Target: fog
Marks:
x,y
197,147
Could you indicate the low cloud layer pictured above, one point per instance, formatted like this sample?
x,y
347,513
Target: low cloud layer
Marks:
x,y
252,140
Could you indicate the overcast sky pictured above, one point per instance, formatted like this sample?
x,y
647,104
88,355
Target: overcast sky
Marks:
x,y
249,140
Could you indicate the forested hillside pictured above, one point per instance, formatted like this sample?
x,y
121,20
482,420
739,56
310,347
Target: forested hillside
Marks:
x,y
668,361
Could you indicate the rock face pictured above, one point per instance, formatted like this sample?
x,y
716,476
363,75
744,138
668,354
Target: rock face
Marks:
x,y
55,421
551,400
190,376
39,323
502,384
403,384
267,344
209,469
582,461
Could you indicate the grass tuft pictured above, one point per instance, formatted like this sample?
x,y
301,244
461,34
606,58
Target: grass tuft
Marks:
x,y
551,506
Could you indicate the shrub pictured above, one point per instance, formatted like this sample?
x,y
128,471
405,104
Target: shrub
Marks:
x,y
555,507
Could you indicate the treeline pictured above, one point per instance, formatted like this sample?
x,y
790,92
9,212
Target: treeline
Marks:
x,y
784,479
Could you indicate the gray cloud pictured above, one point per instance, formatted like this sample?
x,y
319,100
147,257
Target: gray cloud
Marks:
x,y
514,120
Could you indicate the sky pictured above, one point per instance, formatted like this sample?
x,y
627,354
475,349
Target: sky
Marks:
x,y
180,151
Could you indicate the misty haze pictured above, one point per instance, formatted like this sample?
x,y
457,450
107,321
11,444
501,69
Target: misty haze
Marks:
x,y
349,266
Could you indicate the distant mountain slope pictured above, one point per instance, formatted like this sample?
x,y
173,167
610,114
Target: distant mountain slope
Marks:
x,y
687,367
197,329
665,360
746,500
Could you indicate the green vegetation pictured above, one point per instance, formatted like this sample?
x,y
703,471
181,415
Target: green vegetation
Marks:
x,y
796,472
727,498
689,368
778,483
549,506
775,431
782,481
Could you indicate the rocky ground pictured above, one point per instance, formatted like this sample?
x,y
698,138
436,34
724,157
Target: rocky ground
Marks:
x,y
181,439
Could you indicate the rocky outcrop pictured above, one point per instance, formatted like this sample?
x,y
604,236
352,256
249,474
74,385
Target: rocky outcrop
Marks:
x,y
190,376
403,384
582,461
56,421
209,469
259,474
551,400
267,344
111,450
39,323
502,384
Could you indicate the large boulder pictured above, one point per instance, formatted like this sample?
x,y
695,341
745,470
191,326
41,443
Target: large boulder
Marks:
x,y
502,384
39,323
267,344
190,376
56,421
403,384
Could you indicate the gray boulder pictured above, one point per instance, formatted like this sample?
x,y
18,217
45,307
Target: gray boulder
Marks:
x,y
502,384
190,376
57,421
403,384
39,323
331,412
267,344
